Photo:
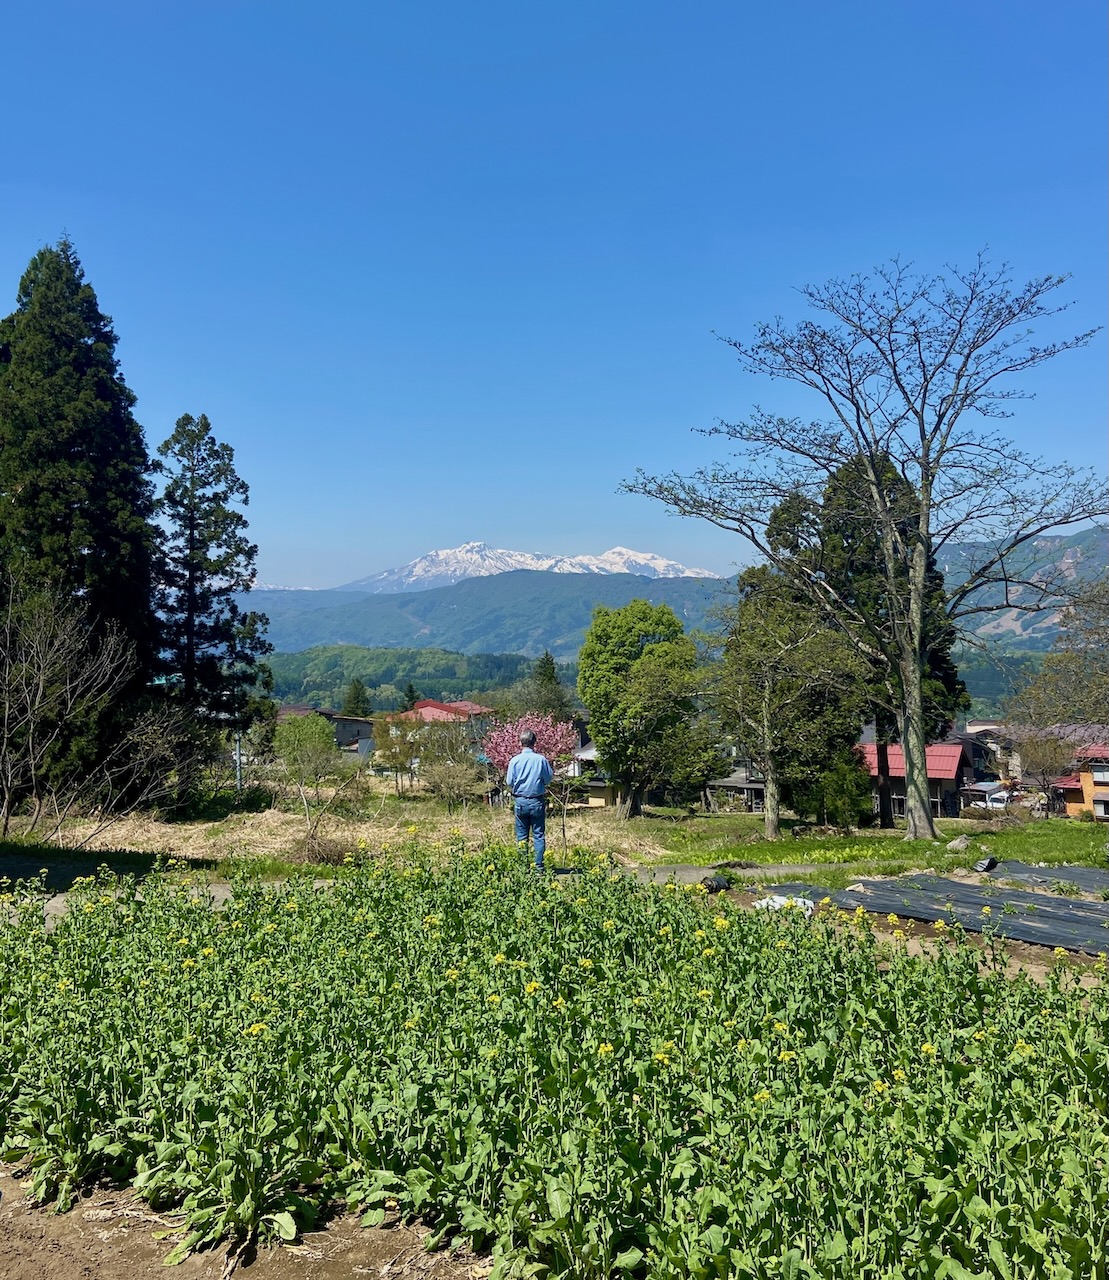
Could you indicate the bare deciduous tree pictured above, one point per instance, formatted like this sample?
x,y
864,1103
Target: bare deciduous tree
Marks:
x,y
54,673
907,367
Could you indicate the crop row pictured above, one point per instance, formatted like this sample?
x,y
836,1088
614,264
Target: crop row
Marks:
x,y
589,1076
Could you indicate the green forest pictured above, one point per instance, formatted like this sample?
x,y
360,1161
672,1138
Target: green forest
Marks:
x,y
319,677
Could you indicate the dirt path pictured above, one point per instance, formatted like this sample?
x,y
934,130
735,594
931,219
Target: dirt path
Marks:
x,y
108,1236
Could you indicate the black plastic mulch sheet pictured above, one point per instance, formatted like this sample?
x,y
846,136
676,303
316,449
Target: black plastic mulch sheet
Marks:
x,y
1045,919
1086,879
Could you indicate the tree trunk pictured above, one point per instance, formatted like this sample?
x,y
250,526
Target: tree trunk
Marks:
x,y
885,796
772,801
918,801
629,803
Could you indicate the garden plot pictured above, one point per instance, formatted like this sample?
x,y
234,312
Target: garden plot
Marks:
x,y
596,1079
1046,919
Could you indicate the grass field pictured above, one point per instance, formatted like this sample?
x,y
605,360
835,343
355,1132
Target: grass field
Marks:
x,y
587,1079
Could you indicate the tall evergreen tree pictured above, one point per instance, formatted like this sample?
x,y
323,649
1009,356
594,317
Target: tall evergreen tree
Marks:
x,y
356,700
75,495
545,691
212,647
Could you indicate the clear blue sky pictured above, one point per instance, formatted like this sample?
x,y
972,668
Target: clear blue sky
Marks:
x,y
445,271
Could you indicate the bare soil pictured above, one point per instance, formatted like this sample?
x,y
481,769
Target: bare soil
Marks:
x,y
108,1235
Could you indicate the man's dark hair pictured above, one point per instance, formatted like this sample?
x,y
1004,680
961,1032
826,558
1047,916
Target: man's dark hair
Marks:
x,y
527,738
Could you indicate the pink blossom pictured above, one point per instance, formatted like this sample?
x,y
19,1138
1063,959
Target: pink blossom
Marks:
x,y
554,739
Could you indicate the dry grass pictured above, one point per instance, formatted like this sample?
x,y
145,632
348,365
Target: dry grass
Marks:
x,y
372,818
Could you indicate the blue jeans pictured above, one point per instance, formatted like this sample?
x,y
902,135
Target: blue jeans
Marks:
x,y
531,816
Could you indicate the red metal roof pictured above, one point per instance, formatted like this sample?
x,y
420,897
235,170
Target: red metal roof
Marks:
x,y
1070,782
1095,751
429,711
944,759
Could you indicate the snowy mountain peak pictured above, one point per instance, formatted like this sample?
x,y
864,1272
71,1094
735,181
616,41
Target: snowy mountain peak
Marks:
x,y
479,560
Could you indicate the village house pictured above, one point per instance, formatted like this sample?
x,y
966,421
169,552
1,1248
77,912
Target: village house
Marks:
x,y
950,769
1092,792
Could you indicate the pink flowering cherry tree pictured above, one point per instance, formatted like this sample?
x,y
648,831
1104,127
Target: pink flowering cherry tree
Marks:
x,y
554,739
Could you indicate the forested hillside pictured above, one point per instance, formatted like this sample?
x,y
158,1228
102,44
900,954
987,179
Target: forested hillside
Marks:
x,y
524,612
320,676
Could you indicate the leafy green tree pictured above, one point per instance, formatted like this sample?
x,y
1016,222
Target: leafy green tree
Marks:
x,y
397,743
212,648
411,696
356,700
76,502
636,679
790,688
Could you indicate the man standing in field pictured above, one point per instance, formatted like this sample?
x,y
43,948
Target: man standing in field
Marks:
x,y
527,779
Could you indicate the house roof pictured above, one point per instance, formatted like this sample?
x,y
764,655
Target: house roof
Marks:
x,y
470,708
944,759
1095,751
430,711
1069,782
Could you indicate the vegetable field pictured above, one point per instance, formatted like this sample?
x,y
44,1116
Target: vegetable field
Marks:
x,y
588,1078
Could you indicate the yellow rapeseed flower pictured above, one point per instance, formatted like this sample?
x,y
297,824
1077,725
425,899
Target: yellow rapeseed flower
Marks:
x,y
608,924
928,1049
879,1086
698,933
558,1003
721,923
1060,952
410,1024
1022,1046
898,1074
940,926
708,951
705,993
987,911
663,1058
493,999
499,958
662,933
188,964
255,1029
899,935
781,1028
786,1055
763,1095
979,1035
782,944
531,988
604,1048
585,963
208,951
892,918
740,1045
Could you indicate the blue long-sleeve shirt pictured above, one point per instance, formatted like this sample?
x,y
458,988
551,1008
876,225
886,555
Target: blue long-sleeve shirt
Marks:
x,y
528,774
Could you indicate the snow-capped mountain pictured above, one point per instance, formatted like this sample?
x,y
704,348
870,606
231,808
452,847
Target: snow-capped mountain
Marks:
x,y
478,560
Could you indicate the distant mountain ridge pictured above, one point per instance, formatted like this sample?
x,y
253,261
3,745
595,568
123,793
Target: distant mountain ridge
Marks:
x,y
447,567
527,611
